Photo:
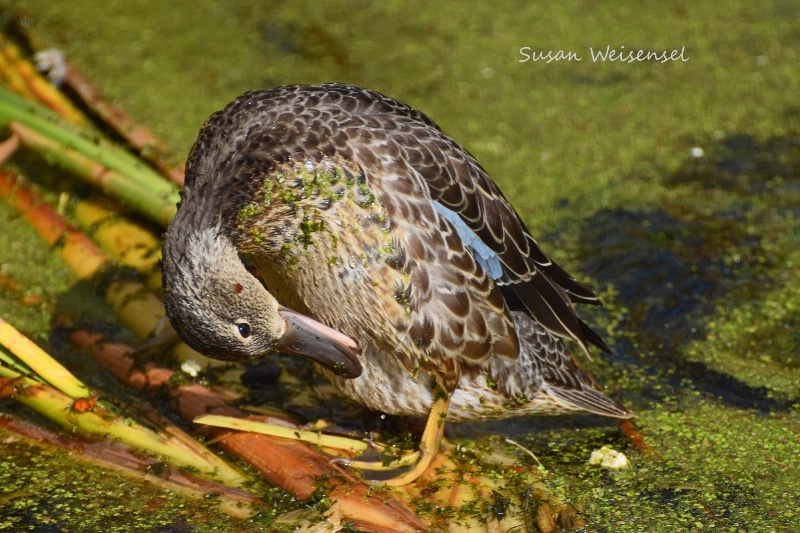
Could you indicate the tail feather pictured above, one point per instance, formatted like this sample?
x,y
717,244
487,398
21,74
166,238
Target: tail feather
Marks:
x,y
588,399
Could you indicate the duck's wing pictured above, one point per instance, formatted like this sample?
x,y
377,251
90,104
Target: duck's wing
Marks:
x,y
438,173
457,181
463,192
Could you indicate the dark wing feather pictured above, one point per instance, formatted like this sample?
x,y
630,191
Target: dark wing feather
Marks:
x,y
455,179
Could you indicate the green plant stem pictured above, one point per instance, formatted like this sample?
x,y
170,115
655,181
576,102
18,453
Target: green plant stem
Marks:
x,y
99,421
139,176
151,204
41,363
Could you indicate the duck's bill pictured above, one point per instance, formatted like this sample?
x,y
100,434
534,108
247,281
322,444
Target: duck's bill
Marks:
x,y
315,341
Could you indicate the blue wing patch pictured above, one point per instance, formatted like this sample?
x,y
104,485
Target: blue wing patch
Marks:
x,y
484,255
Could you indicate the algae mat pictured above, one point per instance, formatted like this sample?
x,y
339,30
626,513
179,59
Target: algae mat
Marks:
x,y
674,186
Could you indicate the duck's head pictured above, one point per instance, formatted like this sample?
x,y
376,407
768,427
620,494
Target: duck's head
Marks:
x,y
222,311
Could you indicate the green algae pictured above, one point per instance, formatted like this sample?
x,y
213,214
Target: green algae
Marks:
x,y
720,469
249,211
306,194
573,146
33,276
756,342
42,487
752,335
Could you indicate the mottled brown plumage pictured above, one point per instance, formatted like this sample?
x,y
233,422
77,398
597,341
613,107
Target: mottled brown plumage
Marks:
x,y
361,214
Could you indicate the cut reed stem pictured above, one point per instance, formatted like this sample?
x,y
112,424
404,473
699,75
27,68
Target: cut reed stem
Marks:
x,y
147,145
255,426
152,204
139,137
40,362
79,253
23,78
129,242
131,180
98,420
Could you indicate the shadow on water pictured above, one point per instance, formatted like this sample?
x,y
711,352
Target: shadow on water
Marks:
x,y
710,242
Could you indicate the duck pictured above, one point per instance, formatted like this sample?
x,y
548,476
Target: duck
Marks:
x,y
387,255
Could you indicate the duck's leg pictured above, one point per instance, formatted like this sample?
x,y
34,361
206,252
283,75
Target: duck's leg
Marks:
x,y
419,460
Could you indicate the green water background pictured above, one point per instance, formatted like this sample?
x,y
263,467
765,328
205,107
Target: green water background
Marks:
x,y
696,255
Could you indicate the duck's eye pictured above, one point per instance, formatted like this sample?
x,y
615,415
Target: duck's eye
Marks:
x,y
244,329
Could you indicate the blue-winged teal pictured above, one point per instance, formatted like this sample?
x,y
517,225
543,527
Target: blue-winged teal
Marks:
x,y
405,272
